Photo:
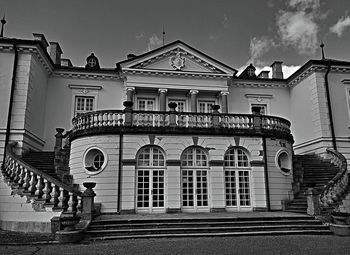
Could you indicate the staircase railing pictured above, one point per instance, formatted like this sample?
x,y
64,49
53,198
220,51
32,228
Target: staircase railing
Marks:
x,y
333,191
38,186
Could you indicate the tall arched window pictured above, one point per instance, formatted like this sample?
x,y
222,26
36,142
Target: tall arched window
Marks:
x,y
237,178
194,169
150,179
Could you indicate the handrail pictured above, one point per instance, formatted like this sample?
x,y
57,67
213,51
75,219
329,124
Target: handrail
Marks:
x,y
333,190
128,117
34,182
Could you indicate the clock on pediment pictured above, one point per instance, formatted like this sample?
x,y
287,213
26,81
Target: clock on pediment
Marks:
x,y
248,73
92,62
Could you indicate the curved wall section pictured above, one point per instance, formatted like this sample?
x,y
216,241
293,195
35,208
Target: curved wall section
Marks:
x,y
106,180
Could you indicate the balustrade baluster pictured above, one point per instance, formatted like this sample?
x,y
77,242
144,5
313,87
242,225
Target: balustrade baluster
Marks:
x,y
74,204
56,194
47,191
21,177
104,119
39,187
26,179
65,199
32,183
17,171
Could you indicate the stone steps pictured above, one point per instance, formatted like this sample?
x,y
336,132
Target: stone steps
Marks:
x,y
122,229
316,173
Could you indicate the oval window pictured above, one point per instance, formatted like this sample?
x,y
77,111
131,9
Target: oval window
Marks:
x,y
94,160
283,162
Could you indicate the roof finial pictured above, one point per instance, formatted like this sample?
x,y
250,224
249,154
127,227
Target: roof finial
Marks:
x,y
3,22
322,46
163,35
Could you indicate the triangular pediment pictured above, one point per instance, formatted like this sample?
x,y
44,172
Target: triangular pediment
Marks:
x,y
177,57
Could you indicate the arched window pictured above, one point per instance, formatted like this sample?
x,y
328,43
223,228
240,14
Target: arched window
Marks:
x,y
150,179
237,178
150,156
194,181
194,157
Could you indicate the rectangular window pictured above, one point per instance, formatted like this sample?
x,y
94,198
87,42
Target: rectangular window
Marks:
x,y
181,105
145,104
83,104
205,106
259,109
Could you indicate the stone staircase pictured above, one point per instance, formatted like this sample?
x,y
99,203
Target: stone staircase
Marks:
x,y
317,172
157,227
43,161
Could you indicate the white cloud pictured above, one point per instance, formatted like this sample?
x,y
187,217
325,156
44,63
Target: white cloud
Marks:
x,y
298,26
154,42
287,70
258,47
225,21
339,27
139,36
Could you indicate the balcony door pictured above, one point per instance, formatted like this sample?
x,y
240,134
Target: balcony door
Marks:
x,y
194,180
150,186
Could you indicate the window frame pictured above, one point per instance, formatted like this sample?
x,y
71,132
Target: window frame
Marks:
x,y
89,160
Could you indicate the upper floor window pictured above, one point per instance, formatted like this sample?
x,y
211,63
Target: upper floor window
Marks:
x,y
83,104
236,157
205,106
194,157
150,156
181,105
259,109
145,104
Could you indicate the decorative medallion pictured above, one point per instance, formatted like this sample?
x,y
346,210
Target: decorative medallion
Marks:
x,y
177,61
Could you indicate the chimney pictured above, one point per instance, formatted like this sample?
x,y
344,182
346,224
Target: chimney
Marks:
x,y
131,56
66,62
277,70
55,53
264,75
42,39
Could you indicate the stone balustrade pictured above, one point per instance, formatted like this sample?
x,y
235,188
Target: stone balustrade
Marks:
x,y
43,190
172,118
337,187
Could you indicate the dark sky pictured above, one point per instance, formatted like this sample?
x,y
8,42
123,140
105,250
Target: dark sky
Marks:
x,y
232,31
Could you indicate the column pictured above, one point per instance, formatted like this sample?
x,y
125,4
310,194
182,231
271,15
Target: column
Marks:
x,y
224,101
162,99
130,94
193,95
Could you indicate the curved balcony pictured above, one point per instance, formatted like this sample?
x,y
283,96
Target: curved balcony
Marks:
x,y
129,121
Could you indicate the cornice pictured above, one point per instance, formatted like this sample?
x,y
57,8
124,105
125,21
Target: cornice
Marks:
x,y
31,49
167,73
86,75
257,84
312,67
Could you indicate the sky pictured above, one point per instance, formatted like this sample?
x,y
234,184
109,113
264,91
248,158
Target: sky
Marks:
x,y
235,32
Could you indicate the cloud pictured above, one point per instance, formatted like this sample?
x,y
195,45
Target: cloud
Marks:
x,y
287,70
258,47
339,27
154,42
225,21
298,27
139,36
213,37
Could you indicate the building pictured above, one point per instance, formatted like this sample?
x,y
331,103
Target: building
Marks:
x,y
171,130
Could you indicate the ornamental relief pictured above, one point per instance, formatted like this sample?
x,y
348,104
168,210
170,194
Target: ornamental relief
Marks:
x,y
177,61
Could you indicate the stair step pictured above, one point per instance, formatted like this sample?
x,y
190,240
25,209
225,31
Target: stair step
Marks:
x,y
278,232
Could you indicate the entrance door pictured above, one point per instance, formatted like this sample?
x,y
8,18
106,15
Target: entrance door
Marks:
x,y
150,191
195,190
